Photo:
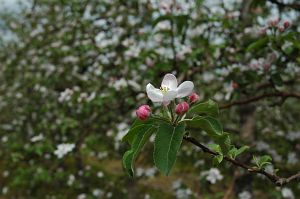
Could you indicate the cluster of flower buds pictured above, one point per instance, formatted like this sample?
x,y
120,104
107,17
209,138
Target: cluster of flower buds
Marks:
x,y
281,27
144,111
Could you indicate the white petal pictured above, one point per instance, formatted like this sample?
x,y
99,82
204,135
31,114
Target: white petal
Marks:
x,y
185,89
169,96
154,94
169,81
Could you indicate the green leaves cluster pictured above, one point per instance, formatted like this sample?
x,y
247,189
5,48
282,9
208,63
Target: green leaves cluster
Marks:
x,y
167,143
263,161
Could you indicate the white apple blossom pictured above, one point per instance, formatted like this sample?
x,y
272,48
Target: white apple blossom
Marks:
x,y
245,195
169,90
212,175
63,149
287,193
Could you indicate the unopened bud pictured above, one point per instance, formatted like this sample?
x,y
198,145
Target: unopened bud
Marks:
x,y
194,98
182,108
281,28
234,85
266,66
273,22
143,112
286,24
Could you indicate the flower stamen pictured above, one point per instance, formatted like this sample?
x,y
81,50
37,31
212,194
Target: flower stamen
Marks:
x,y
164,90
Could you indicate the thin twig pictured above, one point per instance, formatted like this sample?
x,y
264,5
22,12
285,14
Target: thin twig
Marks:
x,y
279,181
283,95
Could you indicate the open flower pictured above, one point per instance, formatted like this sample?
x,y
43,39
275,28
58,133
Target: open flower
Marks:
x,y
169,90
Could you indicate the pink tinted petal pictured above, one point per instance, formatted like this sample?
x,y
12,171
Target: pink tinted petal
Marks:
x,y
169,81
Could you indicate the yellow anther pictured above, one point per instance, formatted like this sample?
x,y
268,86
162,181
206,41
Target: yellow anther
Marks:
x,y
164,89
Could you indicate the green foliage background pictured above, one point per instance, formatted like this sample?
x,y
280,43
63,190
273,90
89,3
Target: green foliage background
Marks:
x,y
75,71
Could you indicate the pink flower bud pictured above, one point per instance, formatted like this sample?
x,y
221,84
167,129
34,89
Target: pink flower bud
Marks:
x,y
194,98
182,108
286,24
266,66
280,28
273,22
262,31
143,112
234,85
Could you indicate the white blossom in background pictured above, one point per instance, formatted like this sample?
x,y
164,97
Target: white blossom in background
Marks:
x,y
292,158
245,195
287,193
119,84
147,196
134,85
81,196
213,175
4,139
63,149
37,138
65,95
208,77
148,172
293,136
71,180
5,173
100,174
176,184
229,90
269,168
102,155
122,130
183,193
183,51
163,25
4,190
98,193
109,194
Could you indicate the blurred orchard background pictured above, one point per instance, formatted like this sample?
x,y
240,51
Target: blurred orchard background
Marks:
x,y
73,72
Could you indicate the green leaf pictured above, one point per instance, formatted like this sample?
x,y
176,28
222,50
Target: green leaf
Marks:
x,y
181,21
218,159
234,152
208,124
263,161
167,143
242,150
137,144
277,80
258,44
209,107
137,126
215,148
213,128
224,141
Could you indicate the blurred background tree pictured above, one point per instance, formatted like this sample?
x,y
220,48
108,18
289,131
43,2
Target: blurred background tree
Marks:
x,y
73,72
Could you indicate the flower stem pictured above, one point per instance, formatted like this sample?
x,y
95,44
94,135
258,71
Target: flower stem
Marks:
x,y
171,112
